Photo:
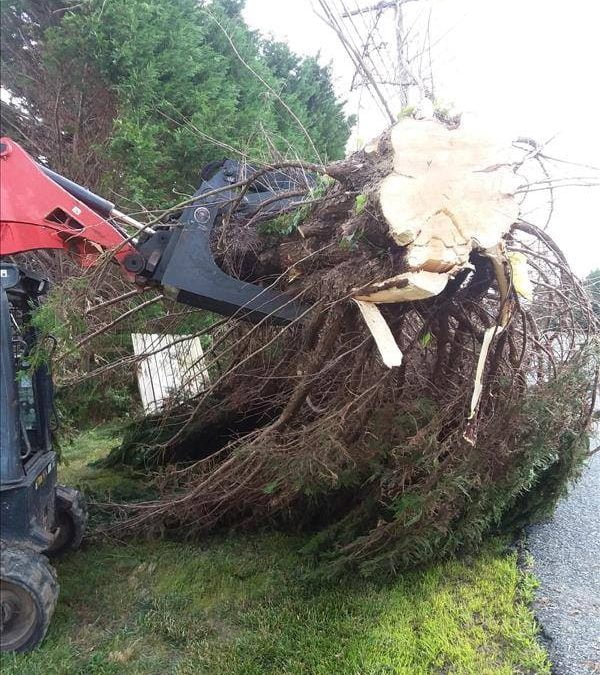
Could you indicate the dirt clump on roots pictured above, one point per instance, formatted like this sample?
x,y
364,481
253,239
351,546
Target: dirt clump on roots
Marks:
x,y
304,426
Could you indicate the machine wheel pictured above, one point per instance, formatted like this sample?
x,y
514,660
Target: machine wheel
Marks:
x,y
71,518
28,594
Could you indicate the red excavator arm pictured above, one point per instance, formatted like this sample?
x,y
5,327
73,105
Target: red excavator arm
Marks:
x,y
36,213
40,209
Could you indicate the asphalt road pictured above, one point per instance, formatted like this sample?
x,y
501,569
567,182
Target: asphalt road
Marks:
x,y
566,552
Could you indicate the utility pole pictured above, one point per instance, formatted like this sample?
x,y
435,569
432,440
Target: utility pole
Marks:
x,y
406,75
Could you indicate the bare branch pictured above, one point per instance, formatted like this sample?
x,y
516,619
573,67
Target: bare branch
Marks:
x,y
385,4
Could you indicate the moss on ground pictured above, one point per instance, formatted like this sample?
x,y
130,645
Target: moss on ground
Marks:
x,y
242,605
82,467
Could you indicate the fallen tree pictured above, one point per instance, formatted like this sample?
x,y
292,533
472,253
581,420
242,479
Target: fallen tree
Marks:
x,y
440,383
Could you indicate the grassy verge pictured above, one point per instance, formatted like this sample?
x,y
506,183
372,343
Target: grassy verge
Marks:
x,y
239,605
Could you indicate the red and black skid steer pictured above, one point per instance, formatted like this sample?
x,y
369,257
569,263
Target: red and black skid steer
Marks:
x,y
40,209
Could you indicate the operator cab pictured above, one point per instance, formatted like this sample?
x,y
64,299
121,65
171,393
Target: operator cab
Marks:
x,y
27,462
34,387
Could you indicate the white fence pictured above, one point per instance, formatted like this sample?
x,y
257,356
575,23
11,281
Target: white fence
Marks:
x,y
173,367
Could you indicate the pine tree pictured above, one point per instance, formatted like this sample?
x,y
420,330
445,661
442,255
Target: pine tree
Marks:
x,y
137,95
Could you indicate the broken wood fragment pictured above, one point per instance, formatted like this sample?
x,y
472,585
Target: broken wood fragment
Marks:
x,y
407,287
387,345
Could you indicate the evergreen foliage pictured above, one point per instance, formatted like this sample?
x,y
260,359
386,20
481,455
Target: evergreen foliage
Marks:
x,y
171,90
592,285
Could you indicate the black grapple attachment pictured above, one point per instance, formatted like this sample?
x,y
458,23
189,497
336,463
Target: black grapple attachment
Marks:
x,y
179,257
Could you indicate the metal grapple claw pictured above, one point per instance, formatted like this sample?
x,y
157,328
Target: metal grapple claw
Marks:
x,y
181,261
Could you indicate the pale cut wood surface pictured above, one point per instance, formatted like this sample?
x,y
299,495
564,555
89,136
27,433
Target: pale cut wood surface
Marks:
x,y
451,191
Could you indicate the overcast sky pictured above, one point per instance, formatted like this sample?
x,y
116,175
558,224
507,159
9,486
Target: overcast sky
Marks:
x,y
523,67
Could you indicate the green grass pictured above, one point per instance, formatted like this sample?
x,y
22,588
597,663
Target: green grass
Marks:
x,y
79,459
242,605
